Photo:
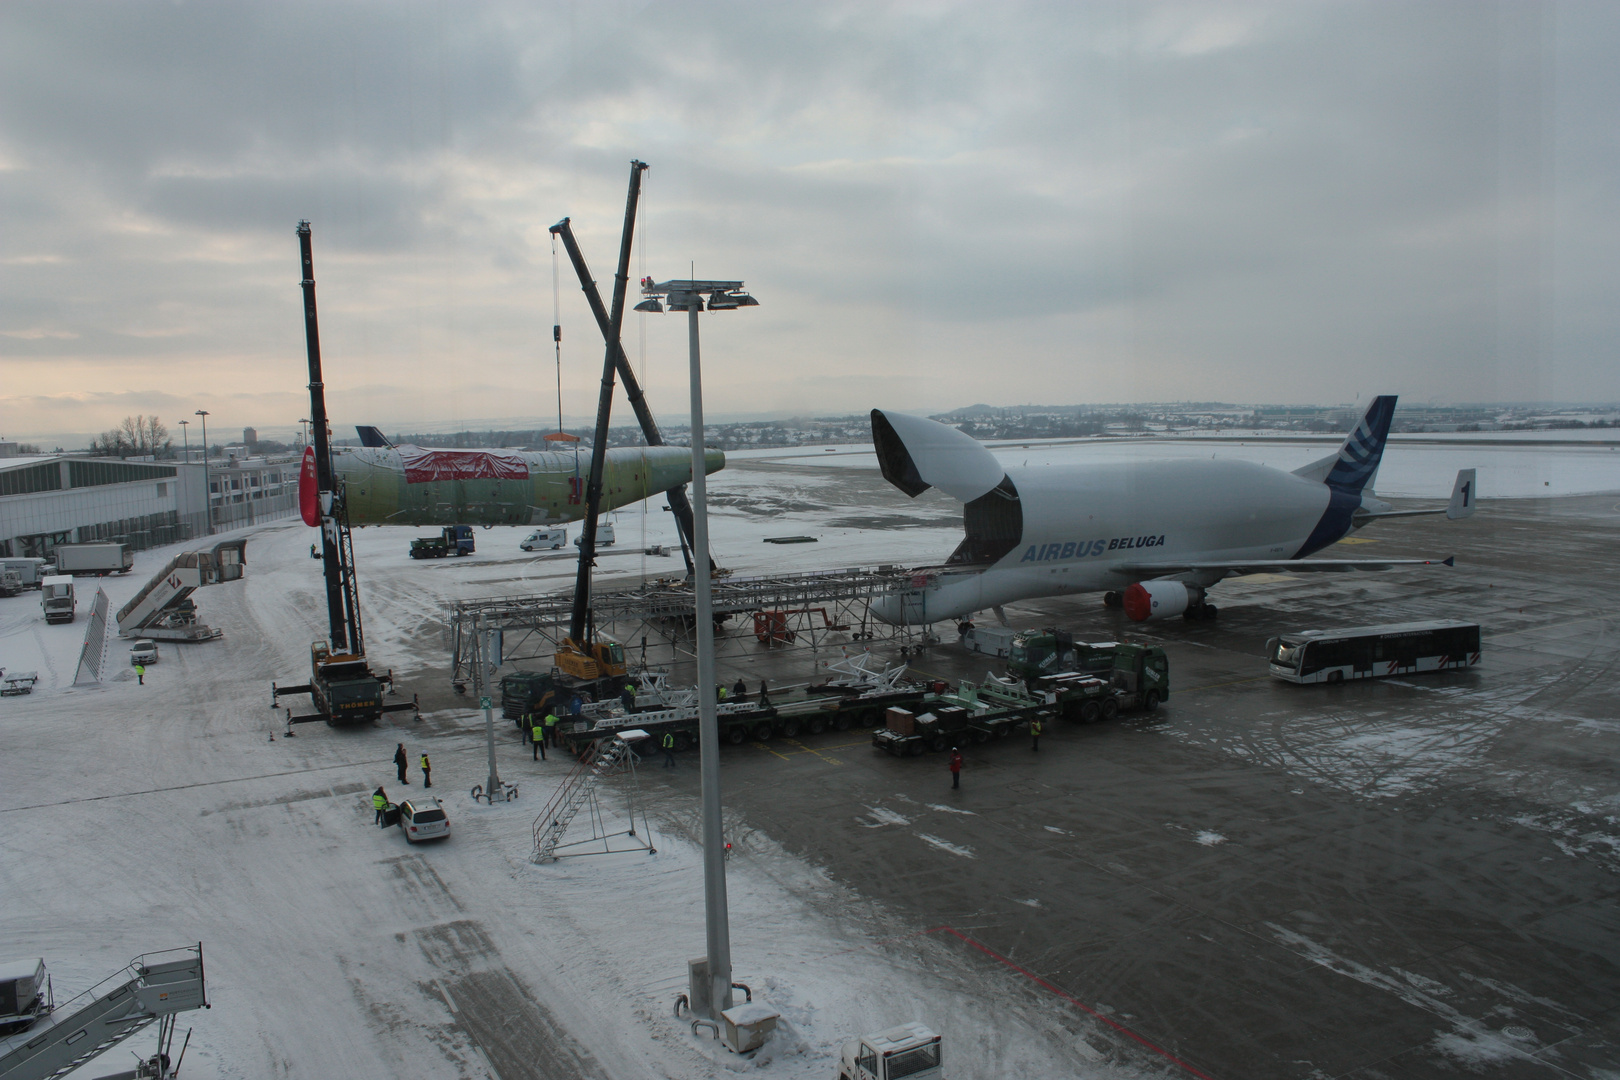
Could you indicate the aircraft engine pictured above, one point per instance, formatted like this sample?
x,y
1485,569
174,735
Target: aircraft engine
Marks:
x,y
1149,600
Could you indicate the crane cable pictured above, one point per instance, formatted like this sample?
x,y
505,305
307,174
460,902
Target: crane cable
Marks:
x,y
556,338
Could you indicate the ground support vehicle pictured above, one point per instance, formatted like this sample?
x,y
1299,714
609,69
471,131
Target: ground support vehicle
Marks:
x,y
910,1050
11,583
1035,653
604,536
17,683
56,598
30,571
143,652
94,558
452,540
1137,676
1367,652
552,539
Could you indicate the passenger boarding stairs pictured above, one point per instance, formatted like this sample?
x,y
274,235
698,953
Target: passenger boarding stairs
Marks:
x,y
579,791
153,986
163,610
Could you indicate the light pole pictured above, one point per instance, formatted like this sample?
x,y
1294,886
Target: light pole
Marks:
x,y
688,296
208,498
184,439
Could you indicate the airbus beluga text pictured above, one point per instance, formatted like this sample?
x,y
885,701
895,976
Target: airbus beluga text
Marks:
x,y
1153,536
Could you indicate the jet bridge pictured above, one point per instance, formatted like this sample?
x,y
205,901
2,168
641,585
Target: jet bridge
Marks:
x,y
152,988
163,609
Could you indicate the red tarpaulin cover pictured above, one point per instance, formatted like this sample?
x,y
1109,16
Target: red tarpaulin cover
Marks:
x,y
426,466
308,497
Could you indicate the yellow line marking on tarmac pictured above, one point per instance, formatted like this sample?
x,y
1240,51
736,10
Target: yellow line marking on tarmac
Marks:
x,y
803,749
768,750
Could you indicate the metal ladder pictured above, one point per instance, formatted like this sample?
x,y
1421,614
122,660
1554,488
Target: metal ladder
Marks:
x,y
576,790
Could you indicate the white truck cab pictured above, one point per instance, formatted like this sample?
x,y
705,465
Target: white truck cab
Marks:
x,y
910,1050
545,538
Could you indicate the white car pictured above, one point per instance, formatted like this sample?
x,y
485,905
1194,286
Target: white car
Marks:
x,y
545,538
143,652
423,819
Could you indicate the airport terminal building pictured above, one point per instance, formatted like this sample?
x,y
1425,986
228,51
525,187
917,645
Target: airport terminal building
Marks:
x,y
54,499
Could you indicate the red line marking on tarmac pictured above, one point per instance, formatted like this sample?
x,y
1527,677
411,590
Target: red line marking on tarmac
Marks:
x,y
1070,998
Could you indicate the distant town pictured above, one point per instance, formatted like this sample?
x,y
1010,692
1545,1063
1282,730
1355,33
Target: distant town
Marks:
x,y
147,438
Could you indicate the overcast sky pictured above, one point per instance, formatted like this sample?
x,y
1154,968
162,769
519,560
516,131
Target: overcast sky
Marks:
x,y
936,204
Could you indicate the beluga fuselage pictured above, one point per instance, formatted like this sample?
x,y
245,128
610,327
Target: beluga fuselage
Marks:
x,y
1152,536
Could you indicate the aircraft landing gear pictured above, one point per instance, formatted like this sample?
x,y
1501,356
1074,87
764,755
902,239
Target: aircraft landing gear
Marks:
x,y
1113,601
1200,613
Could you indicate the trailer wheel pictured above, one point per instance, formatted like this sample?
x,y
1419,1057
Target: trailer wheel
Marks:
x,y
914,748
1150,701
683,741
841,721
1003,729
764,731
1110,708
1088,712
981,736
736,736
939,744
818,724
790,729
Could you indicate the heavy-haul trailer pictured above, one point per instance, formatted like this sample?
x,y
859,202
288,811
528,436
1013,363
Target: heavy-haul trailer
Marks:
x,y
955,717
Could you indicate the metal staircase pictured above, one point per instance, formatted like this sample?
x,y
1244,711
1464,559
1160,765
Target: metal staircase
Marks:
x,y
145,991
577,792
163,609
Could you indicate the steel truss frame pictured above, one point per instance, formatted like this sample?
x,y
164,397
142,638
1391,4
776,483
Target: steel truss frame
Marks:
x,y
822,608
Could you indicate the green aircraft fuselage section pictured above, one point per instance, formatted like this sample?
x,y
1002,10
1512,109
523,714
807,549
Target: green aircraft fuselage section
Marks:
x,y
415,486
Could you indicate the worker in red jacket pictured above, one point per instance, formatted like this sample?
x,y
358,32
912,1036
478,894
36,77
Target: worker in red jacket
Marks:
x,y
956,768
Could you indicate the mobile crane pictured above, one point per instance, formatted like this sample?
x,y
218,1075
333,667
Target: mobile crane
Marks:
x,y
342,685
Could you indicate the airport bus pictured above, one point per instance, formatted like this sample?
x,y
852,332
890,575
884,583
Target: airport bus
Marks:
x,y
1368,652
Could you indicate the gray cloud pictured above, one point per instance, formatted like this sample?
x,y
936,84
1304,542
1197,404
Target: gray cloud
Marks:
x,y
937,204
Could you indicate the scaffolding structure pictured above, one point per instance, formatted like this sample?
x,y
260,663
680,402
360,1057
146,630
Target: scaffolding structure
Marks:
x,y
820,608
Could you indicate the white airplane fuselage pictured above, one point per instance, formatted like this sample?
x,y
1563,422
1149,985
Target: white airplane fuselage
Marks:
x,y
1084,526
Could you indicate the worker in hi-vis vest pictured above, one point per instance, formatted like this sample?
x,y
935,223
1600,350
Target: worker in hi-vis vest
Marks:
x,y
379,800
427,771
668,743
551,728
537,735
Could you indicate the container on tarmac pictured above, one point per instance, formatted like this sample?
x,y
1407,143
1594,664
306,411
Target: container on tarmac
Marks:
x,y
106,558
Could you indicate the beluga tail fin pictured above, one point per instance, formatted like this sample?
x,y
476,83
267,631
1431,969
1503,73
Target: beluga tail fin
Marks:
x,y
916,453
1363,448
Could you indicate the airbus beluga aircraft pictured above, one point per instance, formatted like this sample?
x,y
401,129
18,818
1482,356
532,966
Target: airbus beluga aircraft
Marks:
x,y
1153,536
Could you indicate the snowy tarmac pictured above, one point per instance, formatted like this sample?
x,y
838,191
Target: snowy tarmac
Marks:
x,y
1378,880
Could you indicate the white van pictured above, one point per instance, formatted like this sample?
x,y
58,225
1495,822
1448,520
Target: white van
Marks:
x,y
545,538
604,535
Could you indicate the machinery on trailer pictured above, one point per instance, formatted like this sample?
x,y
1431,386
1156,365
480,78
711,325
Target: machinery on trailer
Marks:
x,y
342,685
1133,676
50,1040
452,540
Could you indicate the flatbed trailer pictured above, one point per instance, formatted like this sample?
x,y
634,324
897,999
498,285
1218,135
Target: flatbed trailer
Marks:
x,y
816,710
953,718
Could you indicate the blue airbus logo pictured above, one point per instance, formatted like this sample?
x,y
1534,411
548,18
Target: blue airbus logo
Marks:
x,y
1081,549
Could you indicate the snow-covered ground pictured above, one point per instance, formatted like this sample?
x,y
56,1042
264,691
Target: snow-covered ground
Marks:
x,y
136,818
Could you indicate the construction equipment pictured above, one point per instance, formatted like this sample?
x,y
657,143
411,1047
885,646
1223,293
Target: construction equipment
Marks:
x,y
163,609
1135,676
591,660
452,540
152,988
341,683
910,1050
